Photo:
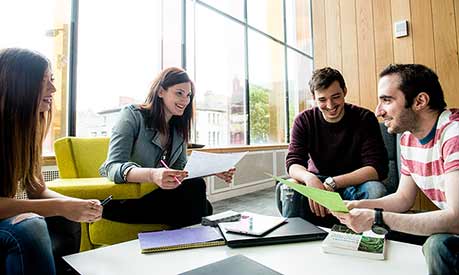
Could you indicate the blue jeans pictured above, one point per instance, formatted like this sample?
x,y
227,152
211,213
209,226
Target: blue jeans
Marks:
x,y
442,254
26,247
293,204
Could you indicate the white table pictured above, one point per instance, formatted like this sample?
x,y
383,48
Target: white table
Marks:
x,y
296,258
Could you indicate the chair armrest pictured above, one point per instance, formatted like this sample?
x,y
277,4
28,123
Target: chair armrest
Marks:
x,y
99,188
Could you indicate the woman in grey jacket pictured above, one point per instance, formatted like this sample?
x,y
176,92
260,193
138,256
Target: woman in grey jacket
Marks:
x,y
148,144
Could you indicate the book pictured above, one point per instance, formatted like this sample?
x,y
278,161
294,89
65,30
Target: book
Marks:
x,y
237,264
253,224
227,216
295,230
189,237
342,240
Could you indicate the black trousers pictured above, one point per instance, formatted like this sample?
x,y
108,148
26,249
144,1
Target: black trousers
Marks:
x,y
65,238
179,207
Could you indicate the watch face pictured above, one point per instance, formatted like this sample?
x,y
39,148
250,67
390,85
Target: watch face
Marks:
x,y
378,229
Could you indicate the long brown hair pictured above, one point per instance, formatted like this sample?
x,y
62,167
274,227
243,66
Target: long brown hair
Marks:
x,y
22,126
154,106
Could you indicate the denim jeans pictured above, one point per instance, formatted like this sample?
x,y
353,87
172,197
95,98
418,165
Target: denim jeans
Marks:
x,y
25,247
442,254
293,204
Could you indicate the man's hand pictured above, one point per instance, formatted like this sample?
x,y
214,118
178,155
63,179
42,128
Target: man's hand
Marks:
x,y
358,219
316,208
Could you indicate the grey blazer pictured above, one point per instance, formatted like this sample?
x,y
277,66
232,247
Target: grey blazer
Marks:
x,y
133,144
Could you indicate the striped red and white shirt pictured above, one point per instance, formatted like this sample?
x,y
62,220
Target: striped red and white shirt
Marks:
x,y
427,161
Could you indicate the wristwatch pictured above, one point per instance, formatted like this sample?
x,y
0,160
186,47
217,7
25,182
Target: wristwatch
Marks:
x,y
379,227
330,182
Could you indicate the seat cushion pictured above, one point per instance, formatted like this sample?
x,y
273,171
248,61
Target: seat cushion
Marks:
x,y
106,232
100,188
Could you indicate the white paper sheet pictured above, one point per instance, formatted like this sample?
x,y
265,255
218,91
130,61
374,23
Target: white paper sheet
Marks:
x,y
201,164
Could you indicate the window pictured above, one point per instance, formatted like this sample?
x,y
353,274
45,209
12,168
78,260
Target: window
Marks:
x,y
267,86
118,57
250,64
245,67
42,26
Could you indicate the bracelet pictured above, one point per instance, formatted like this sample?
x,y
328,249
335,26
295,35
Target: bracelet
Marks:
x,y
126,171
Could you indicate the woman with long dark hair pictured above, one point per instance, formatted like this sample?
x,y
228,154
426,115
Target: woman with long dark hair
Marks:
x,y
148,144
26,92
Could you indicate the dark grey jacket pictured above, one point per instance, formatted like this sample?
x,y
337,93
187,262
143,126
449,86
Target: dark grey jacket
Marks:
x,y
132,143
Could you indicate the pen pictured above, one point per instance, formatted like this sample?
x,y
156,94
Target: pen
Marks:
x,y
165,166
104,202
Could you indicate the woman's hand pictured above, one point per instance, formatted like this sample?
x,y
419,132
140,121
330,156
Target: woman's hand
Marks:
x,y
167,178
227,176
79,210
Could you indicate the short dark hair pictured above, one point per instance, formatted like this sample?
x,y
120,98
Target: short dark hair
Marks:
x,y
417,78
323,78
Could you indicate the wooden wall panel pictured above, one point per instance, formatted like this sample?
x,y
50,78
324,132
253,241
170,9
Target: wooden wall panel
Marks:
x,y
422,31
319,33
366,42
446,48
333,34
350,50
384,50
403,47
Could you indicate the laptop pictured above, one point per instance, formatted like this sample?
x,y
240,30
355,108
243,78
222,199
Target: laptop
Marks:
x,y
253,224
294,230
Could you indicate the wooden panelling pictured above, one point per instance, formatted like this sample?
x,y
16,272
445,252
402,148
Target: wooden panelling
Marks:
x,y
366,44
350,49
422,31
403,46
365,41
319,33
446,48
384,50
333,34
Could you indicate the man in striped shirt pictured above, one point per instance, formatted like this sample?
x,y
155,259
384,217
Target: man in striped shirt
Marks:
x,y
411,102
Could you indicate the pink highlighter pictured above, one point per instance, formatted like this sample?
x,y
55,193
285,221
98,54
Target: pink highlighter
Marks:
x,y
165,166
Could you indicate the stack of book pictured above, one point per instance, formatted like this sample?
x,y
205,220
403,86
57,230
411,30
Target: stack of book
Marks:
x,y
342,240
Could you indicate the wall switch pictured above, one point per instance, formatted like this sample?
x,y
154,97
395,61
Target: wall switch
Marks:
x,y
401,28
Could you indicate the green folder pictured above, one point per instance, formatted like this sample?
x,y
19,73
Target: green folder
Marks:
x,y
330,200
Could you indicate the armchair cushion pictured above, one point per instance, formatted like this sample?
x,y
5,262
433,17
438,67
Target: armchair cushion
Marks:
x,y
100,188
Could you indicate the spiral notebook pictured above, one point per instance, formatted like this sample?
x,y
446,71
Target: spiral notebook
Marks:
x,y
179,239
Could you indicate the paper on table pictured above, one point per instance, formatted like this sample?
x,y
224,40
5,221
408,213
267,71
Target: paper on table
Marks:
x,y
201,164
330,200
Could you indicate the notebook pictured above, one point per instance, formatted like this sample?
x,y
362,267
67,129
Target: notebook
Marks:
x,y
179,239
295,230
253,224
238,264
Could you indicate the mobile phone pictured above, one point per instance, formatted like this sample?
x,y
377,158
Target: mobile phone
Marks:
x,y
105,201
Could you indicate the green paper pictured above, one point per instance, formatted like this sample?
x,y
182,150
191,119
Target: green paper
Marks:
x,y
330,200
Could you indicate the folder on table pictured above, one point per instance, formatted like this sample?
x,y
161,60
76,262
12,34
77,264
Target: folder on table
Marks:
x,y
238,264
179,239
294,230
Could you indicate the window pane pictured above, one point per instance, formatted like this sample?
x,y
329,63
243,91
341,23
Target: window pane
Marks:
x,y
267,16
299,74
267,98
234,8
42,26
171,33
219,77
118,57
298,18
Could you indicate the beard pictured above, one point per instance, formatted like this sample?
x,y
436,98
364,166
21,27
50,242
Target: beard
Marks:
x,y
407,121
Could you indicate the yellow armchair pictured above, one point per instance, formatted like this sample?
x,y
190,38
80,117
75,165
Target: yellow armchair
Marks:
x,y
78,161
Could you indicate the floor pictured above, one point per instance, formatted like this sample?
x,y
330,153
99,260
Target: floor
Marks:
x,y
260,202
